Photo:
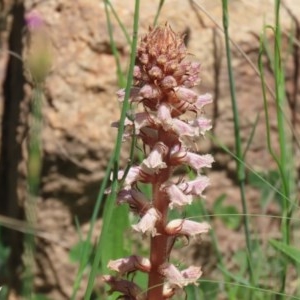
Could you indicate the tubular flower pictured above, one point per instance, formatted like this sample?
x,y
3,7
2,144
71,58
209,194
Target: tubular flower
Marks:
x,y
130,264
147,222
125,287
163,79
177,197
186,227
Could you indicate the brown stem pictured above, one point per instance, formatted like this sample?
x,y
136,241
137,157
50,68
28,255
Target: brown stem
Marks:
x,y
158,251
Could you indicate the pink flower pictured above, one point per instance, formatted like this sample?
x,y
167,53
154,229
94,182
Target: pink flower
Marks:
x,y
201,124
155,159
195,161
133,94
191,77
195,187
141,120
155,72
34,20
164,116
149,92
202,100
130,264
125,287
168,82
147,222
182,128
191,274
136,173
185,94
180,278
186,227
172,275
136,200
177,197
162,84
133,175
137,72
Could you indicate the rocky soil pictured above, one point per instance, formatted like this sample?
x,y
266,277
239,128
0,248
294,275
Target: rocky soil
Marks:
x,y
80,104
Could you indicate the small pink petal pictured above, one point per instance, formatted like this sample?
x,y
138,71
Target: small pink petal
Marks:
x,y
203,100
202,124
155,159
137,73
137,173
192,76
136,200
185,94
168,82
197,161
144,58
149,91
168,291
172,274
147,222
177,197
182,128
34,20
139,120
195,187
133,175
179,155
125,287
164,116
155,72
130,264
121,94
186,227
191,274
133,95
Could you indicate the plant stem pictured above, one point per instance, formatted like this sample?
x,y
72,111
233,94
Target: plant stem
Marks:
x,y
159,253
238,144
158,250
280,103
34,168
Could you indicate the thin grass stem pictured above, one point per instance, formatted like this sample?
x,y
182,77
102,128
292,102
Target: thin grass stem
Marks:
x,y
116,158
34,168
240,166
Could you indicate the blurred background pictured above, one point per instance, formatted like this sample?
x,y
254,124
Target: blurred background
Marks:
x,y
78,103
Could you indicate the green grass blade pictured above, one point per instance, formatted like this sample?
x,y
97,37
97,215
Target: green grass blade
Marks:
x,y
161,3
238,144
128,39
110,204
113,243
120,75
251,136
291,252
86,249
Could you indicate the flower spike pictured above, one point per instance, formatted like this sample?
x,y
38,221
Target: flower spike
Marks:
x,y
162,88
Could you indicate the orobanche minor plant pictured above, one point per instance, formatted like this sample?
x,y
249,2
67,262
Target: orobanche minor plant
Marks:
x,y
163,82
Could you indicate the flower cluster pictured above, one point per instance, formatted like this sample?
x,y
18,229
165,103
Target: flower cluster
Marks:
x,y
162,84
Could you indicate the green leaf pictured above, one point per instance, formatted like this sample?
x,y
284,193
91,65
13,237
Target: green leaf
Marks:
x,y
290,251
265,182
75,254
114,245
208,290
228,213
